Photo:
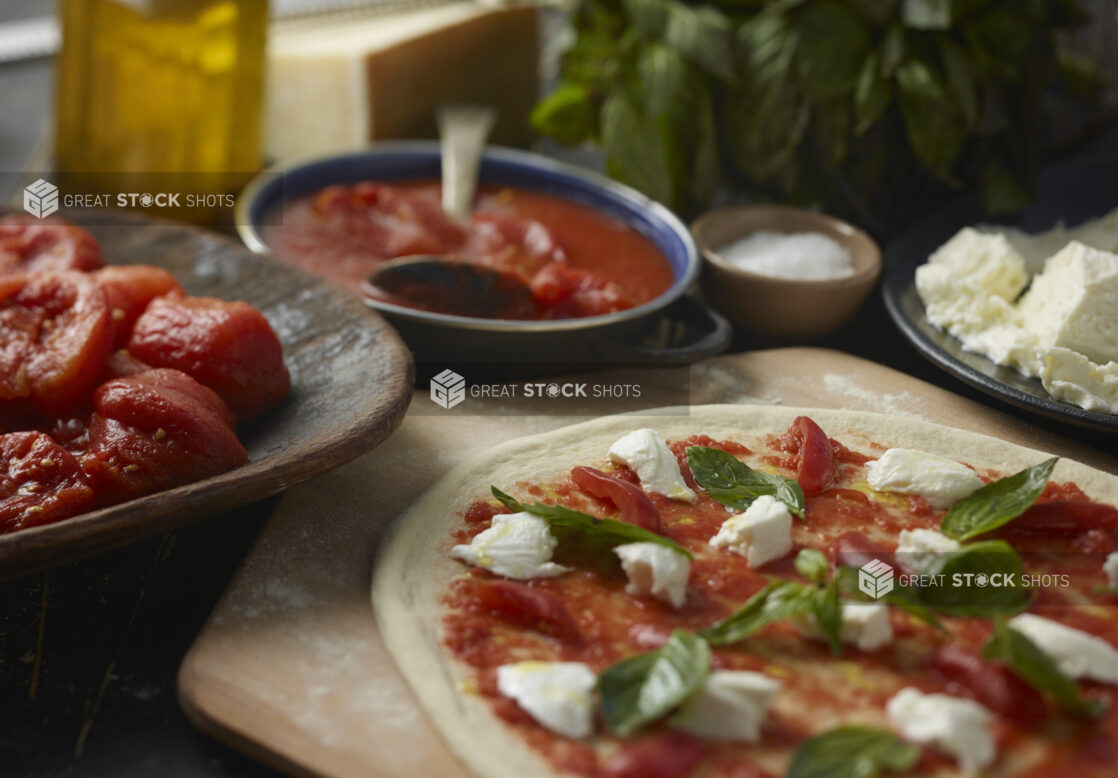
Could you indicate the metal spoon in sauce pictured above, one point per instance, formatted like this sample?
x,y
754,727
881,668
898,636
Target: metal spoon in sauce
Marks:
x,y
463,130
445,285
442,284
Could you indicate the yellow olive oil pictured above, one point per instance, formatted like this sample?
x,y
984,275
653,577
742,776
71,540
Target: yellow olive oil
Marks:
x,y
151,87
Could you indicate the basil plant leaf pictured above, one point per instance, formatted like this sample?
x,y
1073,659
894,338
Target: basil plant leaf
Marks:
x,y
833,45
1029,663
764,115
644,688
574,526
779,600
872,94
567,115
736,485
934,126
643,151
926,14
981,579
704,35
852,752
997,503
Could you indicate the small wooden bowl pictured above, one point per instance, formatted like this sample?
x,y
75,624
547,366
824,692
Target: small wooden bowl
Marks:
x,y
783,306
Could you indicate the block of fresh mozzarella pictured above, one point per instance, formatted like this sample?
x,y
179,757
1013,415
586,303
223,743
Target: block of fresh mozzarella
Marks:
x,y
655,570
654,463
939,480
729,706
515,545
559,695
865,625
761,534
1077,653
337,82
957,726
918,548
1073,303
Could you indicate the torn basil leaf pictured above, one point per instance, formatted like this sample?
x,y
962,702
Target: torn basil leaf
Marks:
x,y
779,600
1029,663
907,598
997,503
644,688
826,608
736,485
812,564
981,579
570,525
852,752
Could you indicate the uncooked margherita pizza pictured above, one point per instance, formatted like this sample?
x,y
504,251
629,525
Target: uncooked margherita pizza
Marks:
x,y
747,591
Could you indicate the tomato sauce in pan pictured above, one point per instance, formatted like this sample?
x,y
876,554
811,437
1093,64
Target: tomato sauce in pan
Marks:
x,y
576,261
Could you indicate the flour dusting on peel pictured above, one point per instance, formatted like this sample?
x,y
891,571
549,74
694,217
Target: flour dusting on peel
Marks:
x,y
898,403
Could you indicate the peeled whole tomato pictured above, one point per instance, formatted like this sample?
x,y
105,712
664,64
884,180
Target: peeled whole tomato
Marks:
x,y
128,291
228,346
31,245
155,430
40,482
54,338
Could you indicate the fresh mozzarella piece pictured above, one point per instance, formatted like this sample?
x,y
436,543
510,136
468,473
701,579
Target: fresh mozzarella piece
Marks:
x,y
1110,567
653,462
985,262
556,694
516,545
918,548
865,625
1077,653
1069,376
729,706
761,534
1071,304
655,570
955,725
951,303
939,480
1006,343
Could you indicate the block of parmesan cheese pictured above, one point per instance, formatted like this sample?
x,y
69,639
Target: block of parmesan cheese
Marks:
x,y
339,82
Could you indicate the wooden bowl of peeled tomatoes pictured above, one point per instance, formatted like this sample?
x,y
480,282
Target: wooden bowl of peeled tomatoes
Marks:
x,y
117,383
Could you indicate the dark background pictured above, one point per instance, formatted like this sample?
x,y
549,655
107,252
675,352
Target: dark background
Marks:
x,y
89,651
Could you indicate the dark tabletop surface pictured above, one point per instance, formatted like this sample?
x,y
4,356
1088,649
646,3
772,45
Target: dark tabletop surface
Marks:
x,y
89,651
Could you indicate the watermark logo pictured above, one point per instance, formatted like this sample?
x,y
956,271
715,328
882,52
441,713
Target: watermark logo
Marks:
x,y
875,578
40,199
448,389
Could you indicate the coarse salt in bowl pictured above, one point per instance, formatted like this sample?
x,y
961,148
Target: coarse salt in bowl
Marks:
x,y
794,298
809,256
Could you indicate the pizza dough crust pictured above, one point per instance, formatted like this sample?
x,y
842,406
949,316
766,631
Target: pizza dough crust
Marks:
x,y
413,567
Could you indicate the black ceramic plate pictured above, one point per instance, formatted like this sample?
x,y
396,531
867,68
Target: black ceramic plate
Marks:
x,y
1070,193
351,378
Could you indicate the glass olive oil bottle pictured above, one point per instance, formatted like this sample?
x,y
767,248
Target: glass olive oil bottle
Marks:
x,y
148,88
